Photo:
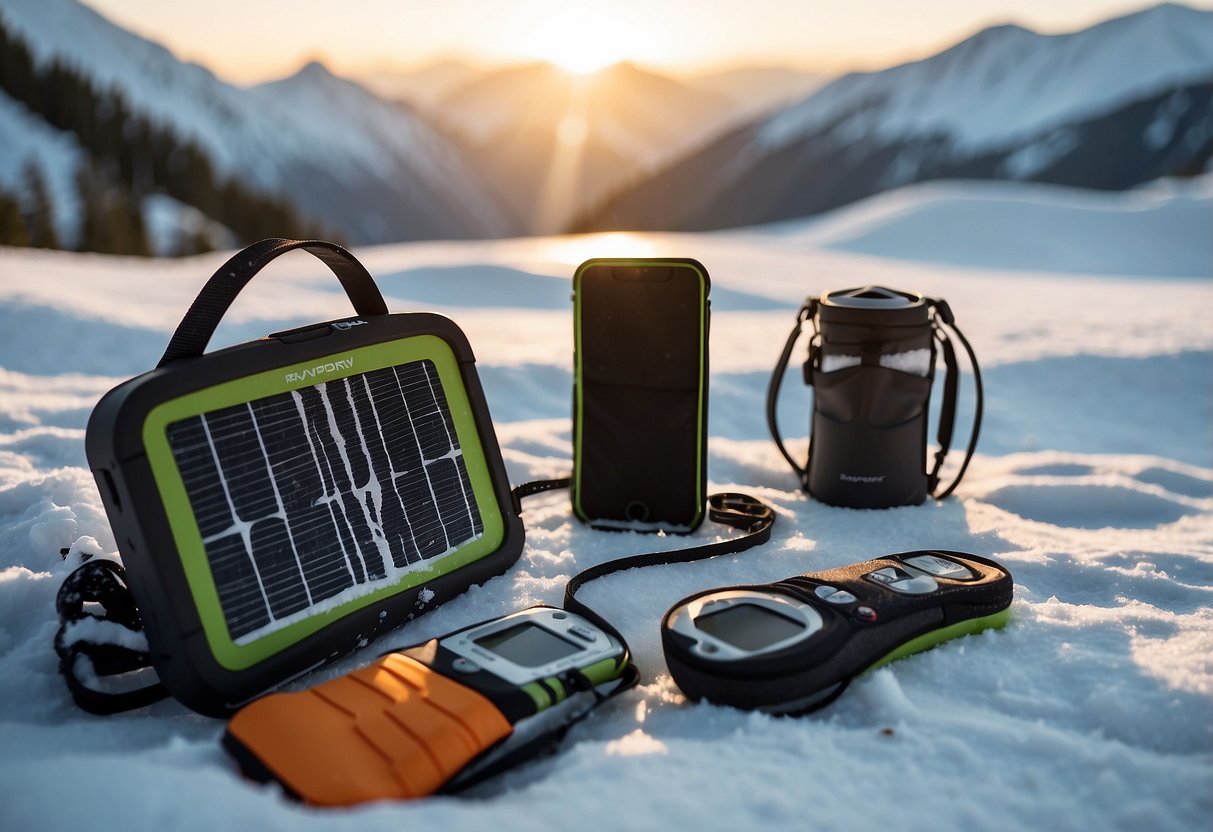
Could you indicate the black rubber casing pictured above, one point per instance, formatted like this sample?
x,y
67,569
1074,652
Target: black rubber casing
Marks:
x,y
805,675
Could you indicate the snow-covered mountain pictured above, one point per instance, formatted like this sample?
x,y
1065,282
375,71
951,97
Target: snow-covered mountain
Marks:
x,y
369,169
1108,107
555,143
423,87
759,90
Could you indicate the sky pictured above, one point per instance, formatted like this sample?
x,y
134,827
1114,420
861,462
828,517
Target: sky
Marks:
x,y
247,41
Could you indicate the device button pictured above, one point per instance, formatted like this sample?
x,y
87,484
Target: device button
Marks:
x,y
865,614
465,665
824,591
841,597
888,575
581,633
899,580
940,567
307,333
560,615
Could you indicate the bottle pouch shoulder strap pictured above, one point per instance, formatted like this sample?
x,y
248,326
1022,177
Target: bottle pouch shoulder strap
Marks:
x,y
199,324
947,413
808,312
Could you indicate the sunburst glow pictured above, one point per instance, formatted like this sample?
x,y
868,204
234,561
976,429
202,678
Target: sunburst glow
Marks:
x,y
584,39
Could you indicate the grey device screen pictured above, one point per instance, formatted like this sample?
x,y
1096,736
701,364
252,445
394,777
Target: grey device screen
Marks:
x,y
528,645
748,626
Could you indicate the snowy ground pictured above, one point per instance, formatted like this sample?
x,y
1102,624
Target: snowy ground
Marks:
x,y
1093,709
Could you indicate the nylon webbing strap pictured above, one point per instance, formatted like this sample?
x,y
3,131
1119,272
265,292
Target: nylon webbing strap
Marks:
x,y
806,313
530,489
947,408
944,315
199,324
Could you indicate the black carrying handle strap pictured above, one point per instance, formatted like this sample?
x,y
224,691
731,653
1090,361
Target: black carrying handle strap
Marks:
x,y
102,582
951,387
807,312
199,324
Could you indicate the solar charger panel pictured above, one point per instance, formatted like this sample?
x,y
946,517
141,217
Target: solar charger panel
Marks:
x,y
282,502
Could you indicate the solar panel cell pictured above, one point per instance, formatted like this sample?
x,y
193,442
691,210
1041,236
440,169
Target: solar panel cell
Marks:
x,y
303,495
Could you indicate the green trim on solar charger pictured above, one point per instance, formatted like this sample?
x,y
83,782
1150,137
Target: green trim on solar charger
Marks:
x,y
580,413
227,653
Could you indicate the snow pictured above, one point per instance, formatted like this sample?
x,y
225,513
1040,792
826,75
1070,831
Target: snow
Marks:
x,y
1007,83
1093,483
1029,227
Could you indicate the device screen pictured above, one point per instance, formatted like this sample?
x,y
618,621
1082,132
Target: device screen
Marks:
x,y
748,626
528,645
641,354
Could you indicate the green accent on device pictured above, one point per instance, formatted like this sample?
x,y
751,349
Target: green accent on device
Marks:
x,y
936,637
794,645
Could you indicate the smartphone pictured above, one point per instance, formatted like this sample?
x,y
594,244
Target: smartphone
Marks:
x,y
640,393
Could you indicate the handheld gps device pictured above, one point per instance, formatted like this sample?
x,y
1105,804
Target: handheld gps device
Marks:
x,y
435,717
794,645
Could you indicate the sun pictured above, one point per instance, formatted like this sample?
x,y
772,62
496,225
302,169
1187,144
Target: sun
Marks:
x,y
583,39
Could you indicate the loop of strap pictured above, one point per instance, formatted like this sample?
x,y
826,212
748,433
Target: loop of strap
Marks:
x,y
808,312
199,324
740,511
102,582
947,416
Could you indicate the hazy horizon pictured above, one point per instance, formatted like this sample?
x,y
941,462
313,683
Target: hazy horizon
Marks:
x,y
685,39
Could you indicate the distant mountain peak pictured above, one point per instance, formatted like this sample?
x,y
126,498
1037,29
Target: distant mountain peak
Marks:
x,y
314,68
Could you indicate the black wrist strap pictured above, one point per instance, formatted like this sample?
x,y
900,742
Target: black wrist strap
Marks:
x,y
103,583
740,511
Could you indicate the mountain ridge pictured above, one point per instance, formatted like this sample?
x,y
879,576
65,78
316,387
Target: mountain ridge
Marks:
x,y
995,105
410,184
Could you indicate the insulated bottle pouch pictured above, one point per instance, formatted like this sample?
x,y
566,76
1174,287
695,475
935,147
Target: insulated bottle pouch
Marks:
x,y
871,364
281,502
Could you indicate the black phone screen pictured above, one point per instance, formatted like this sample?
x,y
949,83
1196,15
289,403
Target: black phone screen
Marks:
x,y
640,405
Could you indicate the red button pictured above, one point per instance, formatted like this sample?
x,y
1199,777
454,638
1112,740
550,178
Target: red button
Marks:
x,y
865,614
